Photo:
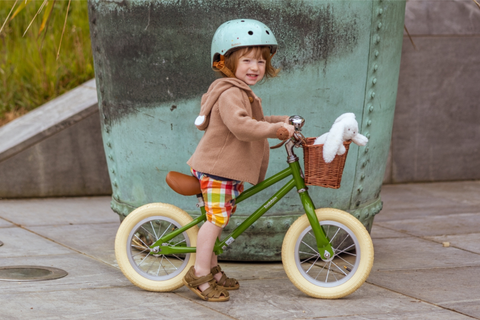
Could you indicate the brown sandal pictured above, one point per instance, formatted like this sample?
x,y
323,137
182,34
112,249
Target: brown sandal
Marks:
x,y
214,293
226,282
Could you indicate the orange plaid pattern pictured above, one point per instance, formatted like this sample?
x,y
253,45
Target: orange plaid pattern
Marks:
x,y
219,197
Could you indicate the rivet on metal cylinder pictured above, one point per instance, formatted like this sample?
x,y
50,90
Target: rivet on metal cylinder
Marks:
x,y
372,94
364,164
377,39
375,67
362,177
380,11
366,149
374,81
369,123
370,108
104,104
379,25
360,189
376,53
113,171
367,135
109,144
110,157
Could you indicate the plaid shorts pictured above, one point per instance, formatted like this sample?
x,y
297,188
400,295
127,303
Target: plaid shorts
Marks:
x,y
219,197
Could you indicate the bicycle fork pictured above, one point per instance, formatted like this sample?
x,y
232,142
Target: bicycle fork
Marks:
x,y
323,244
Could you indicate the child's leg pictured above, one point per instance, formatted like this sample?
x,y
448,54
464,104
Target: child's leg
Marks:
x,y
205,242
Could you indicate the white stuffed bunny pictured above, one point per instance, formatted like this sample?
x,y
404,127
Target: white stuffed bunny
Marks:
x,y
344,128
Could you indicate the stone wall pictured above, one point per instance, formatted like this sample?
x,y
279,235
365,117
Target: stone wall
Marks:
x,y
436,130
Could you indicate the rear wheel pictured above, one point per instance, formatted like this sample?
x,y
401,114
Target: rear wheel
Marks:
x,y
140,229
338,276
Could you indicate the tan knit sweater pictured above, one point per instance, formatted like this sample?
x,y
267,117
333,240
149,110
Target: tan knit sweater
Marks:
x,y
235,144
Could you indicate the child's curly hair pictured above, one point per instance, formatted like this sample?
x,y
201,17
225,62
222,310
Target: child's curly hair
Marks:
x,y
231,59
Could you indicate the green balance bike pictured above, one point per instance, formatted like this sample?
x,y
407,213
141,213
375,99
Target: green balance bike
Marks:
x,y
326,253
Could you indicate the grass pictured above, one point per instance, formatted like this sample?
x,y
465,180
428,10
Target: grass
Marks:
x,y
30,73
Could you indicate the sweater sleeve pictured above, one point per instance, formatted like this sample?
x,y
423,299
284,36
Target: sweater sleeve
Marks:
x,y
235,116
273,119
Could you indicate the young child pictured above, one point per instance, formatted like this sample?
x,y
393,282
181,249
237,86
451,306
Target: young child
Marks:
x,y
234,147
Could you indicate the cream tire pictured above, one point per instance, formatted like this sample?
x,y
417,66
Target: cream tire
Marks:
x,y
348,270
154,273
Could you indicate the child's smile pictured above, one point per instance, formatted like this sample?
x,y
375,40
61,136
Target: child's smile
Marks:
x,y
250,69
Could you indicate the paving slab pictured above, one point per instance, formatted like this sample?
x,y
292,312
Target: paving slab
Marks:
x,y
437,225
431,315
58,211
415,253
5,224
95,240
280,299
22,243
454,287
104,303
470,242
83,273
410,201
379,232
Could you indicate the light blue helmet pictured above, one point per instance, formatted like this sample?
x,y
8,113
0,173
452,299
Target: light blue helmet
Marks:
x,y
240,33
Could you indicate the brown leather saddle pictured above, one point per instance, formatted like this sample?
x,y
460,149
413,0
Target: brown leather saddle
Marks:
x,y
183,184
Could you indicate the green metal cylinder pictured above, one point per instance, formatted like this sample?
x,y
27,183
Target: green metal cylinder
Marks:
x,y
152,66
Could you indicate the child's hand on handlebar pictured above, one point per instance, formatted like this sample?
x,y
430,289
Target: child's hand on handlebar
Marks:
x,y
285,132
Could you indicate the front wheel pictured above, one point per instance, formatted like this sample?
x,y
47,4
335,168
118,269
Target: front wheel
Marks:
x,y
141,228
342,274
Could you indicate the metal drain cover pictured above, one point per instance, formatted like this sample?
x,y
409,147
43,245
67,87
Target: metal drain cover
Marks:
x,y
30,273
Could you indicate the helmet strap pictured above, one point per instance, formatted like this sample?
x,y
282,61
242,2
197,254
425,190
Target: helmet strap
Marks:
x,y
220,65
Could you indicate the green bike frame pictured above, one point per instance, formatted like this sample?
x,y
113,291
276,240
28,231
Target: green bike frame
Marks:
x,y
323,244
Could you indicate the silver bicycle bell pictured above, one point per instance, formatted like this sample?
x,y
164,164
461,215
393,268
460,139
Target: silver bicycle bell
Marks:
x,y
297,122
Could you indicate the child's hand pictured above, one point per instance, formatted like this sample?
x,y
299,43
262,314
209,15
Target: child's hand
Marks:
x,y
285,132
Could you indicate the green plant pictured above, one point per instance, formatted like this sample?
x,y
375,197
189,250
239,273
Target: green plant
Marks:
x,y
33,69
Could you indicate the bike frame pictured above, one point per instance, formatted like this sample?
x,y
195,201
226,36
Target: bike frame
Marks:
x,y
295,172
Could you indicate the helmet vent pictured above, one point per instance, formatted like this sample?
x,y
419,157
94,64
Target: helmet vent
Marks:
x,y
267,32
250,32
242,21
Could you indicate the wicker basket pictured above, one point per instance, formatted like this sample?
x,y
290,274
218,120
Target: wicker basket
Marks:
x,y
319,173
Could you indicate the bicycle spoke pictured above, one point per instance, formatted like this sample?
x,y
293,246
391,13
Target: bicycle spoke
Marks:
x,y
344,250
138,254
159,266
328,271
338,230
184,240
345,261
142,260
320,271
177,257
339,268
153,228
146,231
165,231
144,248
141,241
310,247
343,241
312,265
171,263
302,262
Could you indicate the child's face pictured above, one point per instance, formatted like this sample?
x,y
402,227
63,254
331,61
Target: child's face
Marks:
x,y
250,68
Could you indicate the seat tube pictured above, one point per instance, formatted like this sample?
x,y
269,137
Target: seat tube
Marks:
x,y
323,245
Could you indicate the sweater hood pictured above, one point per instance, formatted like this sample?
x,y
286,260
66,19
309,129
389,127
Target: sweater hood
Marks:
x,y
209,99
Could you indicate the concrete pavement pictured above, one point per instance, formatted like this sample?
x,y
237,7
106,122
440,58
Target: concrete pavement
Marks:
x,y
414,275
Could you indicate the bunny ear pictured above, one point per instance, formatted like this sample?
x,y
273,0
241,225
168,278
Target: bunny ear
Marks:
x,y
360,139
344,116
